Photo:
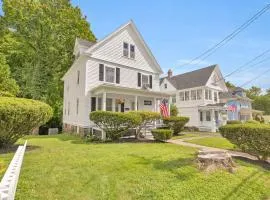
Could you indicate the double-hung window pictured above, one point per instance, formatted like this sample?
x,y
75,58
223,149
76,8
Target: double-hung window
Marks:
x,y
132,51
182,96
125,49
193,94
145,79
215,96
199,94
109,73
206,94
187,96
208,116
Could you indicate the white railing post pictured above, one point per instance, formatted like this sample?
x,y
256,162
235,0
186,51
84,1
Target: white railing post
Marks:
x,y
10,179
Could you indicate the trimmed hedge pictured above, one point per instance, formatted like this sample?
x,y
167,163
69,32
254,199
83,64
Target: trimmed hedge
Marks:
x,y
176,123
147,117
252,122
251,138
234,122
115,123
19,117
162,134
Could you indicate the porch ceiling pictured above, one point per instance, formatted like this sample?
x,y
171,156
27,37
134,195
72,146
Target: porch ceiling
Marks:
x,y
109,88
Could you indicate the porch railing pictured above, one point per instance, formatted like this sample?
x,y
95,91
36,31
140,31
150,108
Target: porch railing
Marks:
x,y
9,181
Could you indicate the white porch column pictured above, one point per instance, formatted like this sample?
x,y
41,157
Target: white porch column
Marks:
x,y
169,105
155,104
104,96
136,103
213,120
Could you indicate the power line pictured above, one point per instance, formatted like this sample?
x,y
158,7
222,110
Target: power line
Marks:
x,y
229,37
246,64
255,78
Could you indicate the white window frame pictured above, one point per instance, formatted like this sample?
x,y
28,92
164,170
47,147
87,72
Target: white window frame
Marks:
x,y
199,97
131,54
182,96
126,50
191,96
187,99
147,75
105,74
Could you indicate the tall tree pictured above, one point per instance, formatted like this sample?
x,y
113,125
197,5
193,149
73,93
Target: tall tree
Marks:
x,y
262,103
268,92
38,42
254,92
230,85
8,85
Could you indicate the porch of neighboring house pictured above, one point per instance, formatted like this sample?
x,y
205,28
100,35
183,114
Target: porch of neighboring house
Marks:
x,y
211,117
120,99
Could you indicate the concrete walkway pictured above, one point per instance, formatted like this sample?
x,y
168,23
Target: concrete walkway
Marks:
x,y
205,148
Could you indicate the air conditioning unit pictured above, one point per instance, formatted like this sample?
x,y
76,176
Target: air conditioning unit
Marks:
x,y
146,86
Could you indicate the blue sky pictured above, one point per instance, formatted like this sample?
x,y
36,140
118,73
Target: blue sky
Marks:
x,y
177,31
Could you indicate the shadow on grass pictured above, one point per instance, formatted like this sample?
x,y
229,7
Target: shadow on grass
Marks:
x,y
13,148
240,188
174,166
260,163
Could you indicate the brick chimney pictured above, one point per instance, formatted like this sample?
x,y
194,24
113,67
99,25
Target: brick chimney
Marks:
x,y
170,73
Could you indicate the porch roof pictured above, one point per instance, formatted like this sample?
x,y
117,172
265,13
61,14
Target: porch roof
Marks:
x,y
217,106
117,89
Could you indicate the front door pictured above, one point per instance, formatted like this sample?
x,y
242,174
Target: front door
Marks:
x,y
122,107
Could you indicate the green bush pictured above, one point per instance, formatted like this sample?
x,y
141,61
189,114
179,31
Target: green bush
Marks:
x,y
176,123
115,123
173,110
147,118
234,122
19,117
162,134
252,122
251,138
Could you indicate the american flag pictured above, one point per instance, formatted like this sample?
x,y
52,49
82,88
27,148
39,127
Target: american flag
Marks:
x,y
232,108
164,108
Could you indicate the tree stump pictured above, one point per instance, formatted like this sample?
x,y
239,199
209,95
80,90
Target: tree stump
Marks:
x,y
212,160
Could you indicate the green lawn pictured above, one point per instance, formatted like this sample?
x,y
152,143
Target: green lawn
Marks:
x,y
61,167
218,142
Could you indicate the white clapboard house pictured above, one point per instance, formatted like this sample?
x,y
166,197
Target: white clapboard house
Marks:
x,y
118,73
196,95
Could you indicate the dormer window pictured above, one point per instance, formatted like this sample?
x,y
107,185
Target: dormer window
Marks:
x,y
125,49
165,86
132,51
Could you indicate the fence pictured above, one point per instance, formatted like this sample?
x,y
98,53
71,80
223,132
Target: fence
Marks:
x,y
10,179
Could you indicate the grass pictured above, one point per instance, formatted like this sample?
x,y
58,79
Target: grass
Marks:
x,y
217,142
185,135
194,134
62,167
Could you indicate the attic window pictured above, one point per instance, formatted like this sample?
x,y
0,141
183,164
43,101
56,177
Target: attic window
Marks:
x,y
132,51
165,86
125,49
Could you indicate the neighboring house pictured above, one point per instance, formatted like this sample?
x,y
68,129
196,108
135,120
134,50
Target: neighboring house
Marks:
x,y
238,104
118,73
196,95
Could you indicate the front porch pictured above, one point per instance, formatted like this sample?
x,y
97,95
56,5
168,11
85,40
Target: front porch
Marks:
x,y
211,117
119,99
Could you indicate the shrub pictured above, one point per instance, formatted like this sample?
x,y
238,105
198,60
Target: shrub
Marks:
x,y
114,123
252,122
162,134
176,123
173,110
19,117
147,117
234,122
251,138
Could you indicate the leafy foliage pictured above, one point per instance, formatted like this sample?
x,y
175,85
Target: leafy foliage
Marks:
x,y
251,138
176,123
37,38
234,122
147,118
173,110
8,86
262,103
162,134
230,85
253,92
19,117
114,123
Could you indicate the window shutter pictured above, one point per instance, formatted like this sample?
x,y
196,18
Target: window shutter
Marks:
x,y
150,81
93,104
139,80
117,75
101,72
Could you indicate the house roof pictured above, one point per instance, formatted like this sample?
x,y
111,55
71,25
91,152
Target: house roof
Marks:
x,y
85,43
191,79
